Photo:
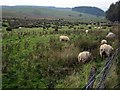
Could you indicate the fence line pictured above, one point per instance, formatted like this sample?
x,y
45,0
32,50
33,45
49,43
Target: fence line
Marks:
x,y
105,69
108,68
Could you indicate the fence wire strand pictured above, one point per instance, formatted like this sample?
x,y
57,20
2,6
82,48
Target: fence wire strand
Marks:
x,y
108,63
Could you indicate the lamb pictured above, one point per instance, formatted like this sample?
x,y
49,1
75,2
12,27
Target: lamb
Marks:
x,y
64,38
104,41
110,35
84,56
106,50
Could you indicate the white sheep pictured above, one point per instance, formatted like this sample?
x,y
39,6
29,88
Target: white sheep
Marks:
x,y
110,35
99,27
104,41
84,56
105,50
20,28
95,27
64,38
86,31
88,25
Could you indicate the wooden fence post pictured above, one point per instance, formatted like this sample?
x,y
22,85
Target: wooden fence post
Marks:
x,y
102,82
91,77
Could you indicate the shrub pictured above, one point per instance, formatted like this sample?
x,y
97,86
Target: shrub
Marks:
x,y
8,29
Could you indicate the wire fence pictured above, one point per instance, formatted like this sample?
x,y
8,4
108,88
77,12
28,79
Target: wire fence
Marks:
x,y
103,73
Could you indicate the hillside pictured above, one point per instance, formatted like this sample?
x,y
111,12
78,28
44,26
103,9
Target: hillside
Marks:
x,y
90,10
46,12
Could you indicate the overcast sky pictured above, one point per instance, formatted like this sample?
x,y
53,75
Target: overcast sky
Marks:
x,y
103,4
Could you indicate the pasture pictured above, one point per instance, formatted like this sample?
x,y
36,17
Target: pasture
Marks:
x,y
35,58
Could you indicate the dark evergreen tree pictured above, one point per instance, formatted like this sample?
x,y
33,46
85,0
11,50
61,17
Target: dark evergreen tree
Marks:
x,y
113,13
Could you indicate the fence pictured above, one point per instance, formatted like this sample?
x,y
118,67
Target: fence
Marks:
x,y
93,76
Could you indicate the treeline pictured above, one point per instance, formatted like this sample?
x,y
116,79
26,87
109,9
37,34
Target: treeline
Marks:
x,y
90,10
113,13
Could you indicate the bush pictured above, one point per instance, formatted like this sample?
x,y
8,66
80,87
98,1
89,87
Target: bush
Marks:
x,y
4,25
8,29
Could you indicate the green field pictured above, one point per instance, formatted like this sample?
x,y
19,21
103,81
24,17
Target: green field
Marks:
x,y
35,58
46,12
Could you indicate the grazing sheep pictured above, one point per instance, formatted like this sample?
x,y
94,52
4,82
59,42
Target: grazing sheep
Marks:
x,y
86,31
99,27
95,27
84,56
105,50
20,28
110,35
103,41
88,25
64,38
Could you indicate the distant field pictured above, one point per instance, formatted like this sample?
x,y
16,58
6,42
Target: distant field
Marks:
x,y
46,12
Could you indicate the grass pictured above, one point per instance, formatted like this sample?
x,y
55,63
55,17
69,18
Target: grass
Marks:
x,y
41,60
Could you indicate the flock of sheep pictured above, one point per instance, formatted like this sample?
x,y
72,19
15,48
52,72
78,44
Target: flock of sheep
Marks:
x,y
105,49
85,56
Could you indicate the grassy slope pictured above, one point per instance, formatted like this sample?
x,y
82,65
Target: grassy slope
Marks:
x,y
43,12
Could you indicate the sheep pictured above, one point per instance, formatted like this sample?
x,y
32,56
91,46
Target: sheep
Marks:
x,y
104,41
95,27
64,38
20,28
84,56
86,31
110,35
105,50
99,27
88,25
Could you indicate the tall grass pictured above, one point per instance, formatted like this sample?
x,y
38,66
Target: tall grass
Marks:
x,y
41,60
